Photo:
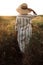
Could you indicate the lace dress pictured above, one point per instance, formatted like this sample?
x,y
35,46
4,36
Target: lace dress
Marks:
x,y
24,28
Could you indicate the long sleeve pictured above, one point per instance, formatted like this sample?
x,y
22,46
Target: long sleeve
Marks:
x,y
16,24
33,16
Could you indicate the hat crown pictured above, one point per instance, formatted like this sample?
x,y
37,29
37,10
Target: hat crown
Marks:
x,y
23,9
24,6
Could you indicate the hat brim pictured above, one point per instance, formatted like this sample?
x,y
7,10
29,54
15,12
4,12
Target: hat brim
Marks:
x,y
23,11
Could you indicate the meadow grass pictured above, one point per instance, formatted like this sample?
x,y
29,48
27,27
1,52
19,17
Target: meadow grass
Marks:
x,y
10,53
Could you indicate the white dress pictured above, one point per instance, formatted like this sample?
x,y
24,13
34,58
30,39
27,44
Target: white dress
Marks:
x,y
24,28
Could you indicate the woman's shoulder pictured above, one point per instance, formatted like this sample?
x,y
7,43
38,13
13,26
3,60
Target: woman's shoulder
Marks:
x,y
23,15
32,16
28,15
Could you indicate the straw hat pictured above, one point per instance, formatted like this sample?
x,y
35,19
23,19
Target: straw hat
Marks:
x,y
23,9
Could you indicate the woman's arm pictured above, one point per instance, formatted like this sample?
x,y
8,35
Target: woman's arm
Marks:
x,y
34,14
16,26
32,11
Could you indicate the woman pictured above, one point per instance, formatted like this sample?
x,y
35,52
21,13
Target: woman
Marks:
x,y
23,26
